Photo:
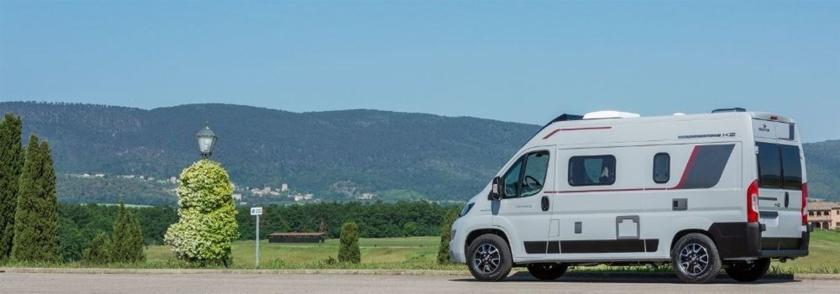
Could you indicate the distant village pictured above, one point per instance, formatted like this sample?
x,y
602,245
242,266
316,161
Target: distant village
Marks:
x,y
242,194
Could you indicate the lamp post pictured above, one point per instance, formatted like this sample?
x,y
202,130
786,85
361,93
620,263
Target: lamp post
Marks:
x,y
206,139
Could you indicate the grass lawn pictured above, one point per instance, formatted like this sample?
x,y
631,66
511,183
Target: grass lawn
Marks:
x,y
385,253
823,257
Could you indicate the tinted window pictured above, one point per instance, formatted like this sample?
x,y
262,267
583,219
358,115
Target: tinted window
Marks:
x,y
769,166
791,167
512,179
530,181
536,167
592,170
661,168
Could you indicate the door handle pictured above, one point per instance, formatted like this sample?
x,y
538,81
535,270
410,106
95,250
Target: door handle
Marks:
x,y
544,203
787,199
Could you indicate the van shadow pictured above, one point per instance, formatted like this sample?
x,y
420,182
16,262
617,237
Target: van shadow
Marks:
x,y
619,277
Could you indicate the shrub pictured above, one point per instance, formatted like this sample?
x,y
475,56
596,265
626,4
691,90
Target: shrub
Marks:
x,y
99,251
446,236
207,224
348,250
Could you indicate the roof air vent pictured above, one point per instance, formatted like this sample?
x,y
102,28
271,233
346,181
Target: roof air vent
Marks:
x,y
609,114
734,109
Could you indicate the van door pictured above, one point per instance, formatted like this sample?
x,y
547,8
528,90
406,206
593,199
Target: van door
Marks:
x,y
780,190
524,210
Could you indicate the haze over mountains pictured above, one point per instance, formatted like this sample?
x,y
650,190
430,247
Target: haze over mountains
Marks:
x,y
333,154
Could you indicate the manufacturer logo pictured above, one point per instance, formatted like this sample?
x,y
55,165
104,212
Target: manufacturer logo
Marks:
x,y
764,128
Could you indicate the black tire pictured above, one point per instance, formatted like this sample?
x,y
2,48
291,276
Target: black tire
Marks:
x,y
489,258
695,259
748,272
547,271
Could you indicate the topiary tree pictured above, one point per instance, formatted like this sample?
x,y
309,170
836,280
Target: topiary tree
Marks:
x,y
11,164
446,235
127,240
207,224
36,216
99,250
348,250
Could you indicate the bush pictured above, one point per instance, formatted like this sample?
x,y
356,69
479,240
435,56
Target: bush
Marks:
x,y
207,224
99,251
348,250
446,236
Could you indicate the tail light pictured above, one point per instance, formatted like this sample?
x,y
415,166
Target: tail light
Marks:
x,y
752,202
804,209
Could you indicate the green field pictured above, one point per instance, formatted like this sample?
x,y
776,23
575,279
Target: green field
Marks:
x,y
420,253
384,253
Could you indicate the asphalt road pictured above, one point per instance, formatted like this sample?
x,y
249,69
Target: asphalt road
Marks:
x,y
349,283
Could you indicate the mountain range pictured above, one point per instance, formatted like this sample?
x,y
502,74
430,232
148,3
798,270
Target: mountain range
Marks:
x,y
334,154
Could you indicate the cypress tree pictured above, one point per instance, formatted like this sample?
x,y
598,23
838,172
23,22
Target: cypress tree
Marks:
x,y
11,164
348,250
36,217
127,241
446,236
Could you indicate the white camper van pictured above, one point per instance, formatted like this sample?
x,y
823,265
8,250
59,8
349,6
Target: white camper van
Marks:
x,y
701,192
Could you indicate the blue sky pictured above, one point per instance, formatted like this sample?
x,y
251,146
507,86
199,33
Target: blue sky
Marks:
x,y
524,61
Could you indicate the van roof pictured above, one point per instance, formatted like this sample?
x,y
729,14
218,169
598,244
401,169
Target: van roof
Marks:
x,y
600,130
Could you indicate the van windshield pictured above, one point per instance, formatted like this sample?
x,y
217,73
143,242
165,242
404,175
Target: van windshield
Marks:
x,y
779,166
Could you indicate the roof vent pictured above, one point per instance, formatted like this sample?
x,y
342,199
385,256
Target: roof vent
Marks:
x,y
609,114
734,109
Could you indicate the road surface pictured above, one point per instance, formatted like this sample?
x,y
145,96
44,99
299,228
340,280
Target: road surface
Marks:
x,y
11,282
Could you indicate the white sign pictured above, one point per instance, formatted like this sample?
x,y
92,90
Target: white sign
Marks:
x,y
256,210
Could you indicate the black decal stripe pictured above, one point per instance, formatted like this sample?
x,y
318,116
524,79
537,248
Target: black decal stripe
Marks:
x,y
591,246
535,247
706,166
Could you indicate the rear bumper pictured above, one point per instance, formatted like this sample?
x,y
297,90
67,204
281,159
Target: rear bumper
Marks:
x,y
744,241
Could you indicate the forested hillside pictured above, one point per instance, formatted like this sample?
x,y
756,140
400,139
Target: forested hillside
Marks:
x,y
333,154
336,155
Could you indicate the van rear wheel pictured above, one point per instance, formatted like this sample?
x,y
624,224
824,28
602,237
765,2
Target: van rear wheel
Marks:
x,y
489,258
695,258
547,271
748,272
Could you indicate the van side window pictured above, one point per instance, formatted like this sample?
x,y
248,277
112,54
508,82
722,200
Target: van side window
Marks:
x,y
661,168
527,176
592,170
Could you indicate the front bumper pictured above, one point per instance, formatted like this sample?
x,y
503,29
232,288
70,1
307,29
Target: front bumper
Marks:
x,y
456,247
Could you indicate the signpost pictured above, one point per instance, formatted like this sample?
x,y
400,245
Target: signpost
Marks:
x,y
257,211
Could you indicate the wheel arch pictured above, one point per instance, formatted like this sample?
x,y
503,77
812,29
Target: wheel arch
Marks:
x,y
478,232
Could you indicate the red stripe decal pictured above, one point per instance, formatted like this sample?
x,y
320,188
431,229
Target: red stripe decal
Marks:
x,y
575,129
688,167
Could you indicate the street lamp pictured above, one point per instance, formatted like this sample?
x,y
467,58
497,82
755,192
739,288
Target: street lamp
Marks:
x,y
206,140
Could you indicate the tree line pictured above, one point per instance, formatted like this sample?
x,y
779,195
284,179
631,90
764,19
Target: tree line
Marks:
x,y
30,229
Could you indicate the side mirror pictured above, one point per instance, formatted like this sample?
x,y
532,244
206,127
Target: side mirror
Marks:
x,y
495,189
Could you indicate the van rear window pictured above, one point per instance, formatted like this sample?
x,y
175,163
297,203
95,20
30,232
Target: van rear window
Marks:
x,y
779,166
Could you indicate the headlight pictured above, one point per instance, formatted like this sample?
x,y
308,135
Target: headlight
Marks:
x,y
466,209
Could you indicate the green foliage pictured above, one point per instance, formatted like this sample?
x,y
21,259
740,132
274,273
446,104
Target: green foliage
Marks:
x,y
823,164
207,224
99,251
348,250
11,164
127,238
446,236
36,216
79,225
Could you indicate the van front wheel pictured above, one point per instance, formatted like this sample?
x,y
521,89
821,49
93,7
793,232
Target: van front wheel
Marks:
x,y
695,258
748,272
547,271
489,258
